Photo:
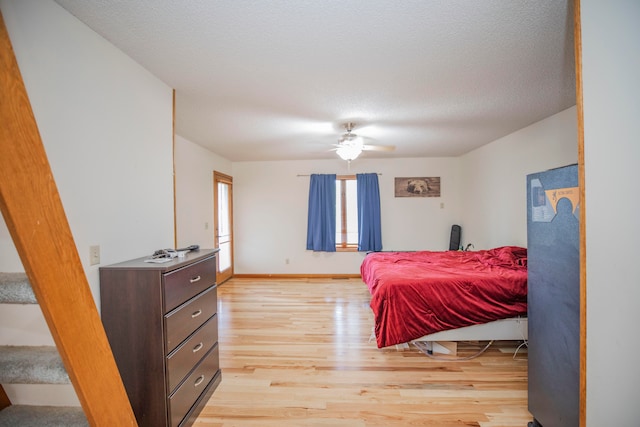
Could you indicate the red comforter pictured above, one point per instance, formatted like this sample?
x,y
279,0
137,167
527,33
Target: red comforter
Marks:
x,y
418,293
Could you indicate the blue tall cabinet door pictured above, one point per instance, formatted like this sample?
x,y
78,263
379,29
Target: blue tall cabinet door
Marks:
x,y
553,243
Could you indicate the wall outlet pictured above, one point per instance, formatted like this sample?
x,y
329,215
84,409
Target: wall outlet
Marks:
x,y
286,260
94,255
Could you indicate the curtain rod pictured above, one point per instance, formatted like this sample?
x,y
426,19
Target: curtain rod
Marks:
x,y
300,174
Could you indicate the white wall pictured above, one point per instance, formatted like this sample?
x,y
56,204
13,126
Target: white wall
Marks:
x,y
494,178
270,213
611,66
106,124
194,192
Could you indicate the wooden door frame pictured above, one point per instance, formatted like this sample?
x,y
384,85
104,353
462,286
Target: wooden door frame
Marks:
x,y
228,179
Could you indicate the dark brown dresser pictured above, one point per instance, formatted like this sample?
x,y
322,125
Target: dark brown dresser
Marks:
x,y
161,321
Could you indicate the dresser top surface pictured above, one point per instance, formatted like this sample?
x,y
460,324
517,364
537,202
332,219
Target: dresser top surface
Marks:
x,y
175,263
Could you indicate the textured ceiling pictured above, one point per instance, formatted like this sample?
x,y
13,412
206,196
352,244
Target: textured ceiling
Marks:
x,y
275,80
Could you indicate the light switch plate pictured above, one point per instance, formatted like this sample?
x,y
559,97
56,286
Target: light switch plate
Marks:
x,y
94,255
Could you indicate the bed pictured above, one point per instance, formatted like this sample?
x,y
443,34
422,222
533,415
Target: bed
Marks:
x,y
451,295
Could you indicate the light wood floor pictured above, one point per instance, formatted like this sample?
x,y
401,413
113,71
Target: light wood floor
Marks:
x,y
297,353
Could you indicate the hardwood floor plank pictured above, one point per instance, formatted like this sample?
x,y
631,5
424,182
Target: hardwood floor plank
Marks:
x,y
298,352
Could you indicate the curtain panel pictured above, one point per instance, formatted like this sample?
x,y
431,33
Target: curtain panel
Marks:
x,y
321,223
369,228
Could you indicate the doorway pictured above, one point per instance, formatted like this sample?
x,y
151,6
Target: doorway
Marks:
x,y
223,224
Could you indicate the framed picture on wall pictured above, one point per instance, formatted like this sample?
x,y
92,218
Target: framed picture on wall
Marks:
x,y
417,187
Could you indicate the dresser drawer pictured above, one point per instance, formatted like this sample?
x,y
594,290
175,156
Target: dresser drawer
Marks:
x,y
187,355
183,398
182,321
184,283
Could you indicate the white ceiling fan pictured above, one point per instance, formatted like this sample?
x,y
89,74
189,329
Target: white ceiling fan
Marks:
x,y
350,145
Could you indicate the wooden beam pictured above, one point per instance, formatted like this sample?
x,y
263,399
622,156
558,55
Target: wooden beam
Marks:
x,y
577,37
173,156
35,217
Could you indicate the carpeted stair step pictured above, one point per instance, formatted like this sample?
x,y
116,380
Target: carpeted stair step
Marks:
x,y
42,416
31,365
16,289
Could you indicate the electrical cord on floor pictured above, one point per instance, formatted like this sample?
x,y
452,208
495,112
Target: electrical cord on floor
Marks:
x,y
515,353
525,342
420,346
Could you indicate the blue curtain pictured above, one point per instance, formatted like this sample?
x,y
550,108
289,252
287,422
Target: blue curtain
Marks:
x,y
321,224
369,229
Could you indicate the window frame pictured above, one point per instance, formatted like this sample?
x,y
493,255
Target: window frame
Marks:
x,y
342,245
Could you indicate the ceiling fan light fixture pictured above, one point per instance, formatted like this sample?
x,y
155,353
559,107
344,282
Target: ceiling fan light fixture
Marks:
x,y
349,151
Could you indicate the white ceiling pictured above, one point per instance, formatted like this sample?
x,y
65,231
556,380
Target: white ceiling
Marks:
x,y
275,80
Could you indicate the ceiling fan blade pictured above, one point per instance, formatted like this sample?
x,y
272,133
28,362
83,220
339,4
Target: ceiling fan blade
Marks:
x,y
378,147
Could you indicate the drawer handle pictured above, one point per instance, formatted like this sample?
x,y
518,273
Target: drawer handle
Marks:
x,y
198,347
195,279
198,381
196,314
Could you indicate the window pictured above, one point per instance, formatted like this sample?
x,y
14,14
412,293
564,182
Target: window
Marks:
x,y
346,213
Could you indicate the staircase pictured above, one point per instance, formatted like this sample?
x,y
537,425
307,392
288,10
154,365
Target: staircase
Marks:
x,y
33,211
32,365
